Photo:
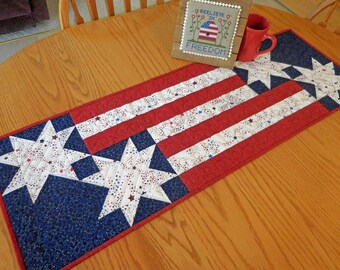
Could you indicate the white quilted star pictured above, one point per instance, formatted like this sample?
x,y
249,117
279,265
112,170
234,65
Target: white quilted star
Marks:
x,y
324,78
130,179
39,159
262,68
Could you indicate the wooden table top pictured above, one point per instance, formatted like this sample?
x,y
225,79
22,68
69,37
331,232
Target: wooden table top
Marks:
x,y
280,211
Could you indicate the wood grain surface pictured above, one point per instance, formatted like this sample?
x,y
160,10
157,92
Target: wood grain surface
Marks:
x,y
281,211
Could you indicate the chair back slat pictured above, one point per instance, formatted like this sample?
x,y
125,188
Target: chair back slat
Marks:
x,y
63,14
324,22
92,8
333,4
127,5
323,5
143,3
78,19
110,8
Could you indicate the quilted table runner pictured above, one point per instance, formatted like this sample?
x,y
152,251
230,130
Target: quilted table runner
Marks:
x,y
72,184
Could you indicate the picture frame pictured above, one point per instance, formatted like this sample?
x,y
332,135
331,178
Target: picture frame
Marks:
x,y
210,31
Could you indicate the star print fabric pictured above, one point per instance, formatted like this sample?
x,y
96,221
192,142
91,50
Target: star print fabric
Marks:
x,y
78,180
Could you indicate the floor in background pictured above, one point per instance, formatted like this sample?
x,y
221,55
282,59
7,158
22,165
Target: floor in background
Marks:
x,y
14,42
53,22
40,27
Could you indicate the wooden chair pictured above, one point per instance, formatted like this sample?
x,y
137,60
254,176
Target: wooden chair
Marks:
x,y
333,4
92,7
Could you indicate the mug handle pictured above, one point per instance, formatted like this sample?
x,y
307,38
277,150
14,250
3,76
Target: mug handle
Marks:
x,y
274,41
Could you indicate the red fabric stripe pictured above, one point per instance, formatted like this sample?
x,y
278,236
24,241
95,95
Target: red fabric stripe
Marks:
x,y
210,31
125,130
136,92
208,38
249,149
206,129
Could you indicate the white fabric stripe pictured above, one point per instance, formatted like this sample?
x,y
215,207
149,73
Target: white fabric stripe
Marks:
x,y
128,111
208,30
213,25
201,113
210,36
239,132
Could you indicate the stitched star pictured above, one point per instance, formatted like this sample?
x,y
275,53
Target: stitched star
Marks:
x,y
262,68
129,179
323,77
36,162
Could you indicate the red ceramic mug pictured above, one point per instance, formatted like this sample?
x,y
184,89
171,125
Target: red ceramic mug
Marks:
x,y
255,33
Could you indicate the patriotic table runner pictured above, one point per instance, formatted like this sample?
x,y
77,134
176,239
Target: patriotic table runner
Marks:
x,y
77,182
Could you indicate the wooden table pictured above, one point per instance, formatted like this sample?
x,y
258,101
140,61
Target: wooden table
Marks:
x,y
281,211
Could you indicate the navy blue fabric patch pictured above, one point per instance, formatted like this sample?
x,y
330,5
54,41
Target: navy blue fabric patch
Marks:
x,y
276,81
310,88
147,207
292,50
242,73
68,224
7,173
292,72
75,142
175,189
85,167
142,140
259,87
5,146
32,133
159,162
19,208
329,103
110,225
337,69
114,152
62,122
266,44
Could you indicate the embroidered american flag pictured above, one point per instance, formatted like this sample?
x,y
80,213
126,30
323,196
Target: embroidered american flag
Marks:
x,y
73,182
208,31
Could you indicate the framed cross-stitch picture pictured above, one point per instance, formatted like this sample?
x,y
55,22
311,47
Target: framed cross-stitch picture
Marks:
x,y
210,31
